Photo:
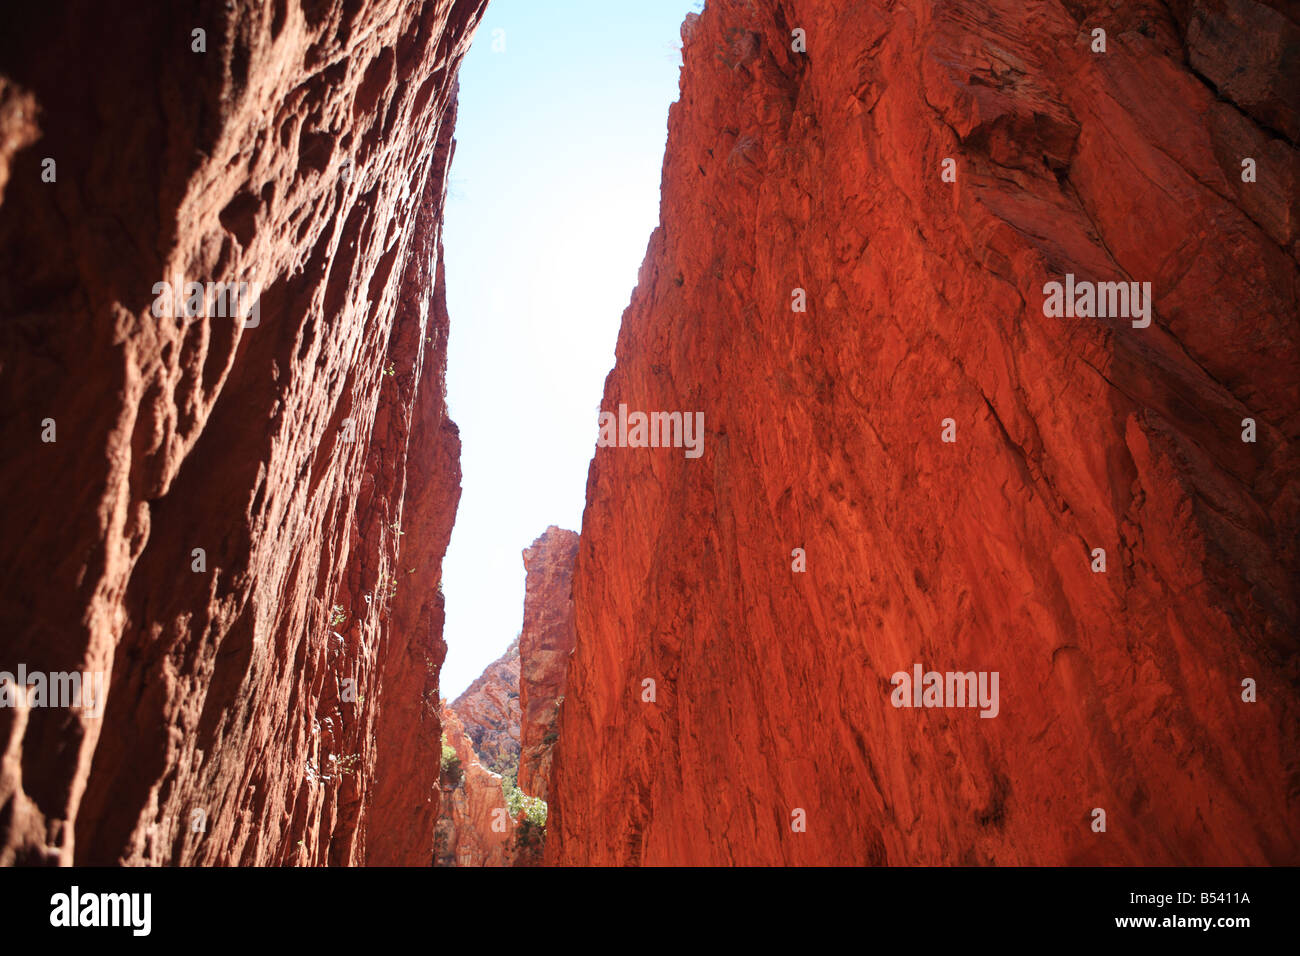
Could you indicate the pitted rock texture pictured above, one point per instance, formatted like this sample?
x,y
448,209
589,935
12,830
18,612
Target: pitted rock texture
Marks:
x,y
272,700
544,647
1120,690
474,828
489,711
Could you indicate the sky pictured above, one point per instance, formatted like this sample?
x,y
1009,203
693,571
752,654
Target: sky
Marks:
x,y
553,194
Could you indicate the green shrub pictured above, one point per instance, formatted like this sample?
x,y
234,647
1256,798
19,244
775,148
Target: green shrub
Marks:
x,y
450,762
533,808
346,764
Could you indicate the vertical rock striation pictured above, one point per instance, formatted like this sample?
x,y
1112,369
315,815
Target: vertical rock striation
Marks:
x,y
1120,690
544,647
232,521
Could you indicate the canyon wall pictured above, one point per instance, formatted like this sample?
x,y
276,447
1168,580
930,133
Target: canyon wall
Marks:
x,y
472,802
226,512
489,711
544,646
504,724
906,461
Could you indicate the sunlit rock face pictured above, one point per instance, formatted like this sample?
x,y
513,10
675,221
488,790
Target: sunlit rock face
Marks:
x,y
908,460
489,712
505,723
474,828
238,515
544,648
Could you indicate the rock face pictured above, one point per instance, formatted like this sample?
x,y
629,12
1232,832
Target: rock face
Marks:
x,y
227,517
769,734
472,803
544,646
504,723
489,712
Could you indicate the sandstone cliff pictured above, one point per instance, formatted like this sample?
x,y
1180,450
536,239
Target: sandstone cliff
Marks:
x,y
544,646
474,828
226,516
768,734
489,712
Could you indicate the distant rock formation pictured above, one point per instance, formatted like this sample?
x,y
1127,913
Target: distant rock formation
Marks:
x,y
489,711
544,646
474,828
488,718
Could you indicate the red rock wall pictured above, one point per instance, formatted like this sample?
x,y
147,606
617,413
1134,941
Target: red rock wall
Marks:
x,y
474,828
306,151
1120,690
544,647
484,726
489,711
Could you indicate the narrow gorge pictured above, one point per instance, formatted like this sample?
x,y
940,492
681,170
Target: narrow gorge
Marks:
x,y
948,572
498,736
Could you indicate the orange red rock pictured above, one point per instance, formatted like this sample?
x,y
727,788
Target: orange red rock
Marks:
x,y
507,719
474,828
740,616
489,712
544,647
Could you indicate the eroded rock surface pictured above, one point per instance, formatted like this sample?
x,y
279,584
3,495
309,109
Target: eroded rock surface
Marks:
x,y
489,711
231,520
1120,690
474,828
544,646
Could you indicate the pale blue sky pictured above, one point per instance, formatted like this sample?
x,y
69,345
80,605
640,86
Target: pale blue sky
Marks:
x,y
554,193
